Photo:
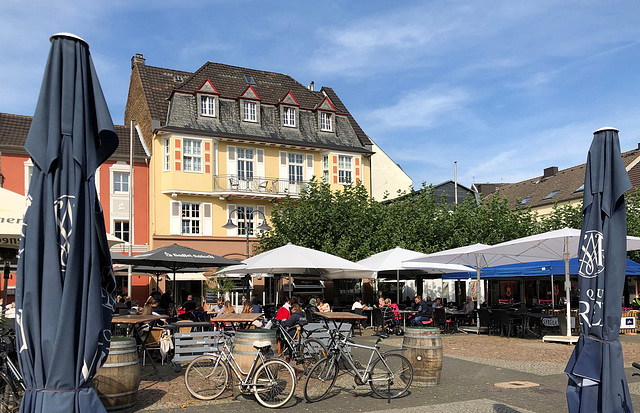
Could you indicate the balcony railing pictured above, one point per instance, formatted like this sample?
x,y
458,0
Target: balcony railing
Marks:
x,y
257,185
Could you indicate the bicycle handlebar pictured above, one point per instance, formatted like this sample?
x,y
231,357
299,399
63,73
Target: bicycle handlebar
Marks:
x,y
636,365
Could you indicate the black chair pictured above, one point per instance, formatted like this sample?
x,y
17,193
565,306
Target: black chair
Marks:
x,y
485,320
505,322
442,321
378,319
357,323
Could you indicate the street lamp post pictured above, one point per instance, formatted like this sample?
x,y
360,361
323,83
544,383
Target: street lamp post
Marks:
x,y
249,218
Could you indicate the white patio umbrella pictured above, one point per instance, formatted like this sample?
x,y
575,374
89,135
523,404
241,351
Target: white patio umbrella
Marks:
x,y
470,255
561,244
390,262
292,259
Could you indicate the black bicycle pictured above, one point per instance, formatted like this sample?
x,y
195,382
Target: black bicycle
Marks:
x,y
300,349
11,383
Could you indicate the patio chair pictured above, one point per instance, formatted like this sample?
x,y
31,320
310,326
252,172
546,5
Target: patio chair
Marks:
x,y
485,320
505,322
233,183
378,319
442,321
357,323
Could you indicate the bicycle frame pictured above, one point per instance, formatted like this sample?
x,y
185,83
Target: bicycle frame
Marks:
x,y
339,354
15,373
244,377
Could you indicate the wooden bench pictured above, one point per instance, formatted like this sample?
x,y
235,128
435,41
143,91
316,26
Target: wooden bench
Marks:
x,y
188,346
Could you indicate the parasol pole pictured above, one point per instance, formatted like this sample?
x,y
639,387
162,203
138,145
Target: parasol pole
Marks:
x,y
397,285
567,283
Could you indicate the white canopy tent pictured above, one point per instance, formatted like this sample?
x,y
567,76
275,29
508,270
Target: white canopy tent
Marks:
x,y
390,262
292,259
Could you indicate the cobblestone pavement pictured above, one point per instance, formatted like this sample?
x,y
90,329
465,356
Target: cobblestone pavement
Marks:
x,y
471,367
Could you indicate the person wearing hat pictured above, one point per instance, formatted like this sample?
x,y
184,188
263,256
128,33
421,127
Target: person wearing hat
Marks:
x,y
313,305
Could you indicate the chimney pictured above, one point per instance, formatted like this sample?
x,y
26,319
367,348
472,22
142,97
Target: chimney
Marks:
x,y
549,172
137,58
311,86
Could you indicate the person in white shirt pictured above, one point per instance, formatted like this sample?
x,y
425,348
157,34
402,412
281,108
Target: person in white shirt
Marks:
x,y
469,306
358,304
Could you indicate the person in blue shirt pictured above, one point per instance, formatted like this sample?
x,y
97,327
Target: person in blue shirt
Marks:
x,y
420,312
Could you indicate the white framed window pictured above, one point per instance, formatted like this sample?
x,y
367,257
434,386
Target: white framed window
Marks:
x,y
207,106
121,229
289,116
245,163
325,168
249,111
28,172
326,121
344,169
190,223
296,165
166,153
120,182
245,219
191,218
191,155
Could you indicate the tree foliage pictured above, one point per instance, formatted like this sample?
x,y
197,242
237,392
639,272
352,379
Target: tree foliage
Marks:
x,y
349,224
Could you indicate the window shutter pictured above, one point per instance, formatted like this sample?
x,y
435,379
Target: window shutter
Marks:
x,y
260,172
284,170
234,218
259,217
232,166
309,168
174,225
207,222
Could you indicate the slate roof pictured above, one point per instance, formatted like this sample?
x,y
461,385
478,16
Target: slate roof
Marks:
x,y
14,130
230,81
158,84
566,182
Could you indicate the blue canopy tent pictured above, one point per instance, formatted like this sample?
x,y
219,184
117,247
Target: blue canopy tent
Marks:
x,y
532,269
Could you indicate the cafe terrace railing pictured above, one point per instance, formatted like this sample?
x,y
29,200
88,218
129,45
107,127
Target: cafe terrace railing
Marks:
x,y
266,186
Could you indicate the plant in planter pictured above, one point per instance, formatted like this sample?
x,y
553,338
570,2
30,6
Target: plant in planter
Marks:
x,y
221,285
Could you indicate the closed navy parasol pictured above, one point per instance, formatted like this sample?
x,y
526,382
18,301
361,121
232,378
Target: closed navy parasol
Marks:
x,y
597,382
64,301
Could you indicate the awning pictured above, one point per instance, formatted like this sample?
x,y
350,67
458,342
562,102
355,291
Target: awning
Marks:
x,y
195,276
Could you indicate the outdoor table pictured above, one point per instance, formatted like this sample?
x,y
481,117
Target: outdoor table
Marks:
x,y
336,316
543,319
457,315
237,318
404,314
203,325
134,321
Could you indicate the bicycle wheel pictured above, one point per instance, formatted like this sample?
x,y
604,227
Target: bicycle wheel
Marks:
x,y
206,377
9,396
321,379
312,351
393,381
274,383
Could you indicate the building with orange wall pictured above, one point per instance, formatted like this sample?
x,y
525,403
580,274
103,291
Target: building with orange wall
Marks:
x,y
112,183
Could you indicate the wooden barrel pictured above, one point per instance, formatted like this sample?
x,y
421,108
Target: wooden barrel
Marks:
x,y
424,351
116,382
243,349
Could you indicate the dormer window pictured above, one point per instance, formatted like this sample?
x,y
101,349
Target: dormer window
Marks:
x,y
207,106
326,122
289,116
249,111
551,194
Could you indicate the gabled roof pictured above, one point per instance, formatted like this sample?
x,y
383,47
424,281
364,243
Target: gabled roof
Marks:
x,y
341,108
230,81
15,128
567,182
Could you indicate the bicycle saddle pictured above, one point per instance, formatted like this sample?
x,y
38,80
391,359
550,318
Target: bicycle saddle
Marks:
x,y
261,344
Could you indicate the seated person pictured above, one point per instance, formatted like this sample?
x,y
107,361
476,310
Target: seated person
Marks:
x,y
297,318
215,309
388,316
323,307
469,306
283,312
189,306
255,305
313,306
421,311
437,303
358,305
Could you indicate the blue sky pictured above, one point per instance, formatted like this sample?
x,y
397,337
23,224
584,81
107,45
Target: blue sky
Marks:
x,y
505,88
